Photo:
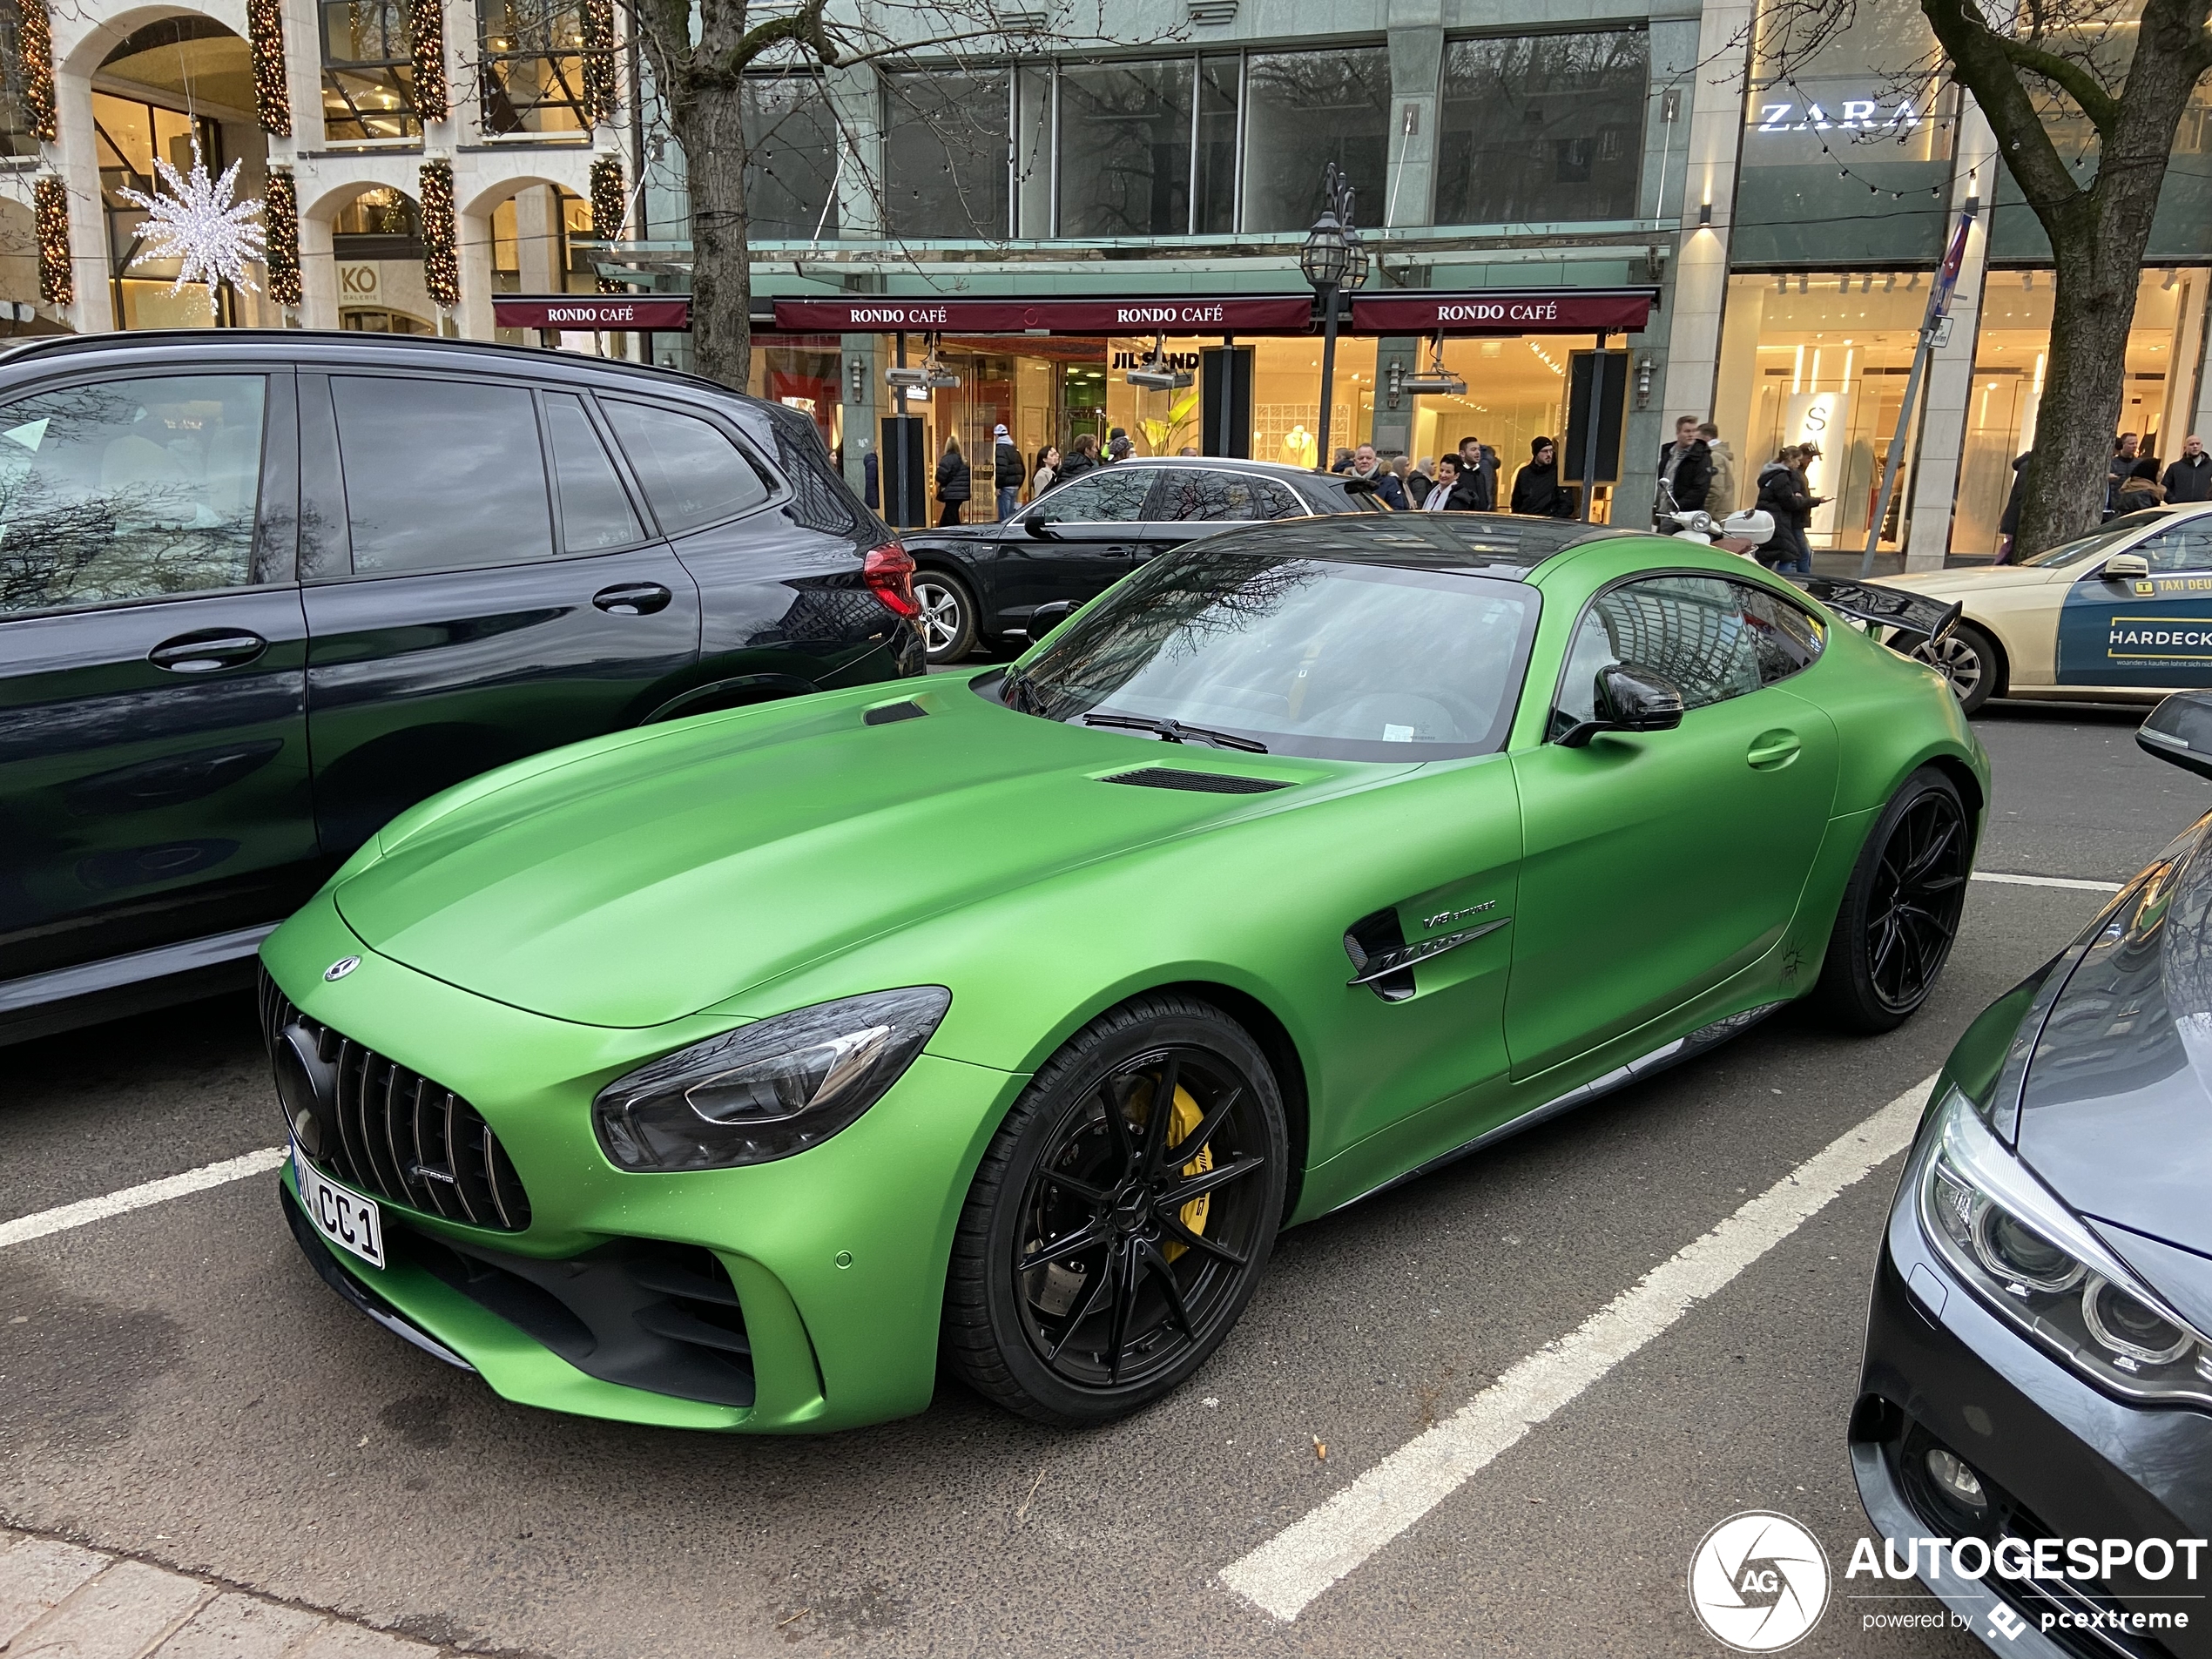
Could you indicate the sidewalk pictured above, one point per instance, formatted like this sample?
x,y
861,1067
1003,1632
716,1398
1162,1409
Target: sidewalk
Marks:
x,y
57,1599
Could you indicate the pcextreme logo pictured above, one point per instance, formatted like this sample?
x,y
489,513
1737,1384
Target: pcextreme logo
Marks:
x,y
1758,1582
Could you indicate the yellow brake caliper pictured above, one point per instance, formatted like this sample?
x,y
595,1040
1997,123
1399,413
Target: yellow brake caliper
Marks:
x,y
1180,1127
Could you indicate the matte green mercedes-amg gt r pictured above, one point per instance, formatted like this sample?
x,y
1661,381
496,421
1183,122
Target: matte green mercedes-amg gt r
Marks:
x,y
724,1074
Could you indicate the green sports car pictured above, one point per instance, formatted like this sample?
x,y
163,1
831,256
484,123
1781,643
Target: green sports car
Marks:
x,y
727,1074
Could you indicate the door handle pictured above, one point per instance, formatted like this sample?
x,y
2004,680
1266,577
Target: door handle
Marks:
x,y
1771,750
632,598
208,651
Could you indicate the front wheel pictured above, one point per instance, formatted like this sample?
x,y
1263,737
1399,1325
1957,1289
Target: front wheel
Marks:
x,y
1900,914
1121,1217
948,615
1967,659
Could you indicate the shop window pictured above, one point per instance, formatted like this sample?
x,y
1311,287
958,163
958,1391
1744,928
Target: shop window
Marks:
x,y
379,224
801,372
532,68
368,71
1516,393
1543,128
1821,358
1303,111
130,136
791,147
367,320
946,140
2012,353
1125,149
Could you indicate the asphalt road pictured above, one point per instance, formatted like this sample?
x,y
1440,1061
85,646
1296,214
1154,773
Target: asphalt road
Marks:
x,y
176,1384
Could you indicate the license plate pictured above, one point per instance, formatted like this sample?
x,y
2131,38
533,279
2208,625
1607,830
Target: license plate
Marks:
x,y
343,1216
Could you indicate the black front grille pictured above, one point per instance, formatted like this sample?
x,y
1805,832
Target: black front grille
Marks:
x,y
398,1136
1211,782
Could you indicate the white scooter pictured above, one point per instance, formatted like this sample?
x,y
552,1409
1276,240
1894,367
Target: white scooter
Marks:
x,y
1741,533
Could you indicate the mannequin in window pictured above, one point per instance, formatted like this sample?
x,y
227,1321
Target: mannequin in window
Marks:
x,y
1299,448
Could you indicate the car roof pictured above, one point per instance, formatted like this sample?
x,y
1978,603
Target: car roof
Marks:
x,y
1485,543
1233,464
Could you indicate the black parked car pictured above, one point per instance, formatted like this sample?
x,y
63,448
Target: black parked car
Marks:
x,y
982,582
2039,1356
260,591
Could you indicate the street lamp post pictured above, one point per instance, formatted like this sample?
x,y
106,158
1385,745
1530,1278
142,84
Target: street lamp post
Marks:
x,y
1334,259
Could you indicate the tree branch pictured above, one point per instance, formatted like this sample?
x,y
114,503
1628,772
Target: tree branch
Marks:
x,y
2076,82
1980,62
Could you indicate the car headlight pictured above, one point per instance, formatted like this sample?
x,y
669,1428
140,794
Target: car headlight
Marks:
x,y
2008,1236
766,1091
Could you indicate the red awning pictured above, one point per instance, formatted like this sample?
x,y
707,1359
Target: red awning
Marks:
x,y
1243,315
1504,311
617,312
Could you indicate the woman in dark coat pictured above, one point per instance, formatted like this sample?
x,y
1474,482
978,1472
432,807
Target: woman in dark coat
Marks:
x,y
1535,487
952,481
2140,488
2008,521
1783,498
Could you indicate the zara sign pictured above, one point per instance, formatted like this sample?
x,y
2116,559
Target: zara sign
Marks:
x,y
1852,115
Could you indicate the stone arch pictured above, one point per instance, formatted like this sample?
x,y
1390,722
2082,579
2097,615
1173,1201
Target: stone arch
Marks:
x,y
514,236
360,257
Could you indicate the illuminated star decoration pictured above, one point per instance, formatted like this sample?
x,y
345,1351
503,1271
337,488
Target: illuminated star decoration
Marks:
x,y
195,222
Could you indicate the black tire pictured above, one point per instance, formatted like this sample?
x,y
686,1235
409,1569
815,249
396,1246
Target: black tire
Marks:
x,y
1969,659
1142,1291
1900,912
948,615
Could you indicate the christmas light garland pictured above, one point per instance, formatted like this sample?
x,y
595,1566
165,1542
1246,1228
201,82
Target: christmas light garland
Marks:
x,y
50,216
609,201
427,42
601,99
35,50
441,265
281,223
272,96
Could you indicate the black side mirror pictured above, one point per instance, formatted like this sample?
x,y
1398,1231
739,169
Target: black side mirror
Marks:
x,y
1046,617
2180,730
1034,524
1628,699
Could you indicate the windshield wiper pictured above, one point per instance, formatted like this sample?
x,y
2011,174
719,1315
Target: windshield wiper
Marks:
x,y
1176,731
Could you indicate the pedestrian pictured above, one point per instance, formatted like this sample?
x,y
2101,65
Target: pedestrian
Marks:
x,y
1478,491
1117,446
1801,519
2191,477
1535,488
1341,461
1082,455
1781,491
1366,463
1720,492
1401,469
871,470
2141,487
1188,449
1048,471
1438,499
1422,480
2123,463
1685,472
952,481
1007,471
2008,521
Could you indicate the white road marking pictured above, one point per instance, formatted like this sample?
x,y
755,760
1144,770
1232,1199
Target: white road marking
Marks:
x,y
85,1212
2048,882
1284,1575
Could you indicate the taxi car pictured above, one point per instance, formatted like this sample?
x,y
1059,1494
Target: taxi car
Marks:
x,y
2122,614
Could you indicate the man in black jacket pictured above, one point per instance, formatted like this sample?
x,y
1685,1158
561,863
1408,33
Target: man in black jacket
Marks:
x,y
1685,472
1007,471
1535,487
2189,478
1478,477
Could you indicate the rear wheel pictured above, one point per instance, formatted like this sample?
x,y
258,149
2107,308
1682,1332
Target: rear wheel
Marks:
x,y
1967,657
948,615
1900,912
1121,1217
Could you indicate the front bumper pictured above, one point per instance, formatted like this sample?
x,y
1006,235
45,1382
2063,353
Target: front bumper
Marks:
x,y
835,1258
2060,1460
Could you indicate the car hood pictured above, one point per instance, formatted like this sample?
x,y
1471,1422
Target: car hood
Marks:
x,y
1964,584
2116,1108
639,879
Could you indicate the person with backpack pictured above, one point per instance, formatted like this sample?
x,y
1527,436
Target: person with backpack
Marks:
x,y
1007,471
952,481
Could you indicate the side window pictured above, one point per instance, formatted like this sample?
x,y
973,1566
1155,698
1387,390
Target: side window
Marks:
x,y
129,490
2186,547
441,474
1191,494
1276,501
594,508
1111,496
1784,638
1691,628
693,474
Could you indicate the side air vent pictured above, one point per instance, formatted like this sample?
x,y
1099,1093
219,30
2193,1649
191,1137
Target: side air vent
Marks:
x,y
884,713
1205,783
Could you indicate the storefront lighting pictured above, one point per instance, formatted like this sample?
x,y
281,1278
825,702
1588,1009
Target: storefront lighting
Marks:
x,y
50,218
272,94
281,236
427,47
441,261
601,82
1705,212
35,60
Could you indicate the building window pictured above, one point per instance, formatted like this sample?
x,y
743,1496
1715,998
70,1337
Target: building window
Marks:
x,y
1541,129
791,151
130,135
379,224
1303,111
946,140
368,71
533,65
1125,149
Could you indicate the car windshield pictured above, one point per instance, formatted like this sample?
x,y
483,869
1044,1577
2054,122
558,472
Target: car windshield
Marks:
x,y
1320,657
2101,540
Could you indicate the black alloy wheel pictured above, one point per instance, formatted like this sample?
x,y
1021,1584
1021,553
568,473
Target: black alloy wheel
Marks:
x,y
1900,914
1121,1217
948,615
1967,659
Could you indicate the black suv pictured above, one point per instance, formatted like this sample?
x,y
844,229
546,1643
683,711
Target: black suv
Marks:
x,y
980,582
262,590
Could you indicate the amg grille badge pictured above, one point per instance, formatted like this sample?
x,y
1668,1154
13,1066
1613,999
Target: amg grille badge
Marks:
x,y
340,968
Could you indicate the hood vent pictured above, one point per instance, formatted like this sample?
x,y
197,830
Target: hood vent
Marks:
x,y
1205,783
884,713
